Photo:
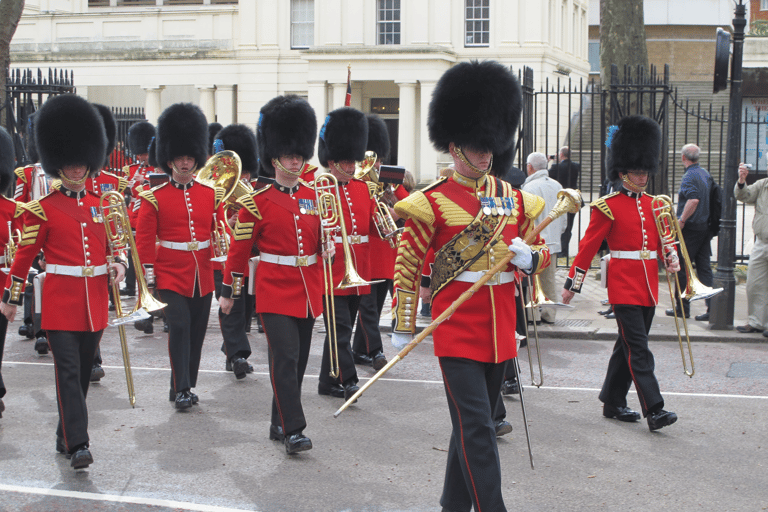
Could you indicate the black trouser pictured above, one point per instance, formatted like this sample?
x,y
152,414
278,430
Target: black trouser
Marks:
x,y
367,335
233,326
187,321
632,361
288,339
565,237
699,250
73,353
345,309
3,331
130,275
473,472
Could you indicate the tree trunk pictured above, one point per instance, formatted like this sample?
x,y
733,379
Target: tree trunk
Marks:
x,y
622,37
10,14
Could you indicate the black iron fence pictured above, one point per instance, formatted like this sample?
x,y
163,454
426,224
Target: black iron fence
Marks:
x,y
124,117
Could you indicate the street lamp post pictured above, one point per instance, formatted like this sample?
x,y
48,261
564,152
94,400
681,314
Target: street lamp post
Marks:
x,y
722,305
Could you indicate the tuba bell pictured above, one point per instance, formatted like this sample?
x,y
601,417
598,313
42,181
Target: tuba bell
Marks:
x,y
223,170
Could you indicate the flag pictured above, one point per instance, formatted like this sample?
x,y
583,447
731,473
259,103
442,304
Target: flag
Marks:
x,y
348,98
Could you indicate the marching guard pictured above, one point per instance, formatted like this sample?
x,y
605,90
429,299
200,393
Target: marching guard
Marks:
x,y
471,220
625,219
67,225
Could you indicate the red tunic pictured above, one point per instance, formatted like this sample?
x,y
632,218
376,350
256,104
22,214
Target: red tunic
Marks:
x,y
273,220
483,327
67,227
383,255
626,220
177,213
10,211
24,182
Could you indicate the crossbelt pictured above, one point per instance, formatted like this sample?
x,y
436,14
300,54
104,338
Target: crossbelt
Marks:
x,y
352,239
290,261
498,278
76,270
634,255
185,246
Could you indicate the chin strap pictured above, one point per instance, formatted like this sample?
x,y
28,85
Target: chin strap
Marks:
x,y
461,156
278,165
342,172
632,186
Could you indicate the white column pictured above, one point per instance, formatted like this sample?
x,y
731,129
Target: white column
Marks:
x,y
152,105
225,104
317,96
427,170
208,101
339,95
406,141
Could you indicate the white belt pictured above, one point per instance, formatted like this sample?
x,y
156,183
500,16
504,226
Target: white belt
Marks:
x,y
2,259
498,278
634,255
186,246
290,261
352,239
76,271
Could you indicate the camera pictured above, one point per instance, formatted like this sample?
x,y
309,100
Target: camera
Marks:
x,y
553,157
748,166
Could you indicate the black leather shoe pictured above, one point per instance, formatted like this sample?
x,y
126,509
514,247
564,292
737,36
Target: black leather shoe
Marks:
x,y
145,325
334,390
60,448
97,372
240,367
703,318
27,331
350,390
660,418
111,306
183,400
510,387
671,312
363,359
295,443
128,293
82,458
611,315
621,413
503,428
41,346
228,366
276,433
172,397
259,327
746,329
607,311
379,360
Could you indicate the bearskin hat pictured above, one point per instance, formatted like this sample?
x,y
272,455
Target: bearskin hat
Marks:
x,y
240,139
344,136
213,129
182,130
110,125
378,137
152,153
475,104
69,131
287,126
32,156
7,160
633,145
140,135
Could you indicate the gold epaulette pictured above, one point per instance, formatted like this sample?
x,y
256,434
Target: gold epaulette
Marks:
x,y
149,196
249,204
35,208
439,181
19,172
532,204
601,205
19,210
372,188
416,206
127,170
219,195
56,184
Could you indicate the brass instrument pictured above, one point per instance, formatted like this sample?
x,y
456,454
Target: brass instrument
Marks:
x,y
220,241
671,235
385,224
10,248
120,238
568,201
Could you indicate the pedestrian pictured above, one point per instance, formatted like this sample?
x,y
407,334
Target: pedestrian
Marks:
x,y
566,172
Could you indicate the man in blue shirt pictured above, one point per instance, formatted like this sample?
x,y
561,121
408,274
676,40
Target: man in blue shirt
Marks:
x,y
693,217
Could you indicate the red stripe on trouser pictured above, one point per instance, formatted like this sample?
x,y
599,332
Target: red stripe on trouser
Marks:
x,y
629,364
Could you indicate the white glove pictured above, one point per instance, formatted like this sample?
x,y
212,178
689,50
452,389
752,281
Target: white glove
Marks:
x,y
523,258
401,339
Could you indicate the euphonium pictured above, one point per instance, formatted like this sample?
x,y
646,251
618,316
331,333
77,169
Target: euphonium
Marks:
x,y
223,170
10,248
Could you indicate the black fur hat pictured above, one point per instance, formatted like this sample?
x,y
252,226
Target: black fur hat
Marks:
x,y
69,131
32,155
287,126
140,135
634,145
378,137
7,160
344,136
213,129
182,130
240,139
110,125
477,105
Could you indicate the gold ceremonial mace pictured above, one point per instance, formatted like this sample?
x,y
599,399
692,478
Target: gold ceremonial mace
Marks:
x,y
568,201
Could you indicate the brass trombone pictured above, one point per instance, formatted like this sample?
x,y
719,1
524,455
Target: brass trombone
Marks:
x,y
120,238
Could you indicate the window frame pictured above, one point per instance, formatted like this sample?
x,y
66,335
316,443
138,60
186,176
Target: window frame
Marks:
x,y
480,26
309,6
382,24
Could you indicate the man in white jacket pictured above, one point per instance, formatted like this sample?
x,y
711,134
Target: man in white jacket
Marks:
x,y
539,183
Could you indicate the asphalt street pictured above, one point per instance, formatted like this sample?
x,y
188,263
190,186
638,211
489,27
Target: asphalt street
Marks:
x,y
387,452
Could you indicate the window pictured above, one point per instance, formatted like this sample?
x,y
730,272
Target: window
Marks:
x,y
477,22
764,5
383,106
302,23
594,56
388,22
